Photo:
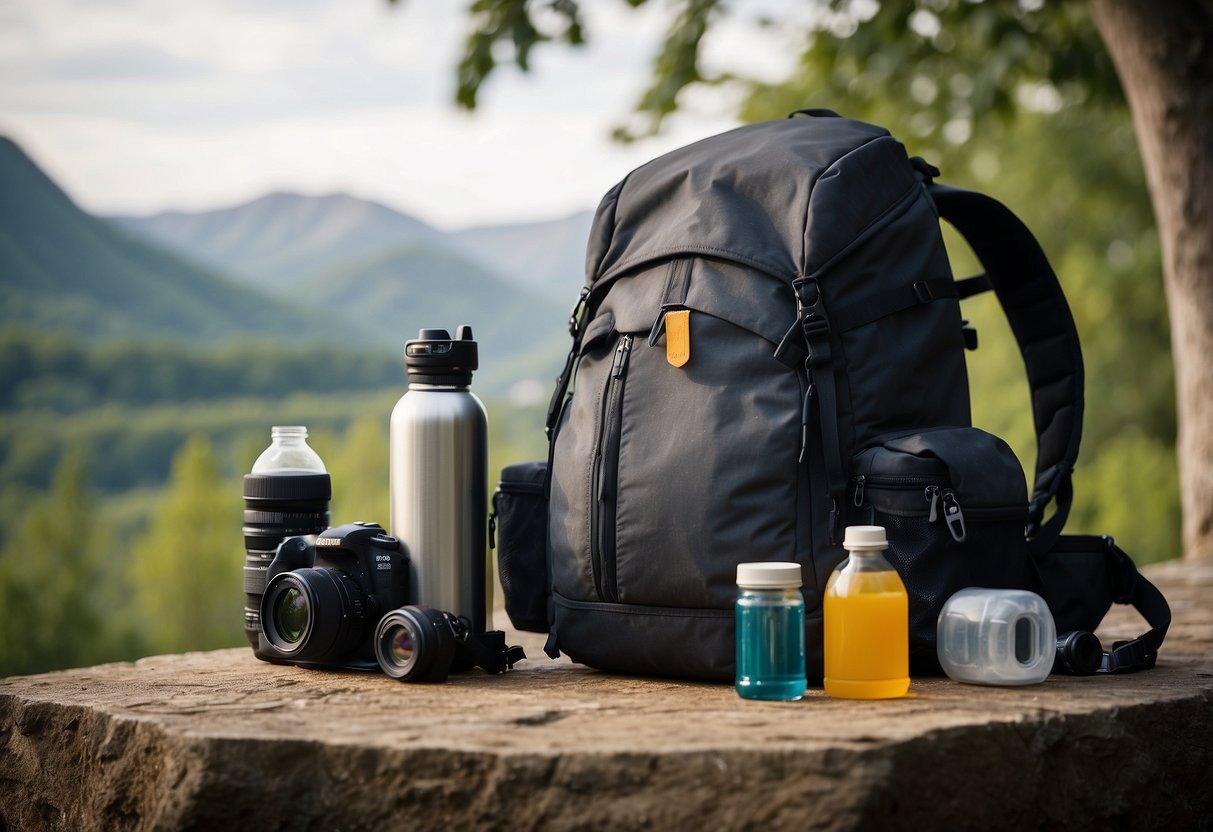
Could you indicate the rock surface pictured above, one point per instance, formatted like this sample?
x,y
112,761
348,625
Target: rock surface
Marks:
x,y
212,740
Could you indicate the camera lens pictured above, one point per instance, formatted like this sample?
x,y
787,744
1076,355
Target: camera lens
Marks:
x,y
277,506
415,644
314,614
291,615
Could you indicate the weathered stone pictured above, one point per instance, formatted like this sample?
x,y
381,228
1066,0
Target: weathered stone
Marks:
x,y
207,740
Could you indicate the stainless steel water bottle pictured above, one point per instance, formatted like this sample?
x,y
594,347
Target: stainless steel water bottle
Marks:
x,y
439,475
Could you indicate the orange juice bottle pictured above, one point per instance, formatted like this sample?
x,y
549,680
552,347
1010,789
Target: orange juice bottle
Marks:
x,y
867,622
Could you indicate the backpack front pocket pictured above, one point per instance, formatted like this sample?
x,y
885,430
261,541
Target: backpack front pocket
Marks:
x,y
954,504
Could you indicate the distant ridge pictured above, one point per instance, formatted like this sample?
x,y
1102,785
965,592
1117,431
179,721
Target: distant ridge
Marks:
x,y
63,269
548,256
279,240
276,241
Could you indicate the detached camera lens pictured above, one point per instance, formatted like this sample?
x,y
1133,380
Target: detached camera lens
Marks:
x,y
415,644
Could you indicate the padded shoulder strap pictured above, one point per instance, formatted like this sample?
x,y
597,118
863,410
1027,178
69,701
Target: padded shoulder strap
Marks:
x,y
1040,318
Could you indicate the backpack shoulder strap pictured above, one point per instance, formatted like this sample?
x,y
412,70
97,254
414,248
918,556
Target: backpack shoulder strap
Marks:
x,y
1028,290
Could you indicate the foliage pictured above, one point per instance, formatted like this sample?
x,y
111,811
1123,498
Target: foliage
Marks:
x,y
56,604
186,567
51,371
510,23
970,58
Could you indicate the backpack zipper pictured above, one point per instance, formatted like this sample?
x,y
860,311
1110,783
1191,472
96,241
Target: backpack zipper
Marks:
x,y
606,476
935,495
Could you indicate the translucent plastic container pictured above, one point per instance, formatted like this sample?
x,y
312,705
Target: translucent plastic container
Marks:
x,y
996,637
770,631
866,621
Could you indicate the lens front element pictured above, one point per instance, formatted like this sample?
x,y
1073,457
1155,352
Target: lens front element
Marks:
x,y
291,614
401,647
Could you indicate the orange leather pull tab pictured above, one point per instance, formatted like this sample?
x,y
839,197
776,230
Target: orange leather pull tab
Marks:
x,y
678,336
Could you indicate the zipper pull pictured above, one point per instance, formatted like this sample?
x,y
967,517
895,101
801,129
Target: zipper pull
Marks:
x,y
931,493
621,356
953,515
493,530
859,483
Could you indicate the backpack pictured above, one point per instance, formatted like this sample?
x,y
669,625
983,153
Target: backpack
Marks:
x,y
769,347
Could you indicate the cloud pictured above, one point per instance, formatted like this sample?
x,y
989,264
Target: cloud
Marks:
x,y
129,61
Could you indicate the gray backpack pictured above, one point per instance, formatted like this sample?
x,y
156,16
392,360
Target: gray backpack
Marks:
x,y
769,347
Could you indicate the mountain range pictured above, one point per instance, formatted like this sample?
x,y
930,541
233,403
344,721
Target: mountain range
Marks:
x,y
280,239
285,267
62,269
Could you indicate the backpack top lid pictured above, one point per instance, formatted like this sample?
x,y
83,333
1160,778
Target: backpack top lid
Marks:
x,y
751,195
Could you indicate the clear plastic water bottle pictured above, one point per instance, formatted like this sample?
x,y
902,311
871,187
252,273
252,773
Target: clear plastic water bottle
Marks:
x,y
439,475
770,631
996,637
286,494
866,618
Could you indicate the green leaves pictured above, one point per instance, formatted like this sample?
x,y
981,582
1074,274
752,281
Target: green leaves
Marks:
x,y
675,67
508,27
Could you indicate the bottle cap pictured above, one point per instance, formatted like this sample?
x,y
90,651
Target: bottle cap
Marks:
x,y
768,575
434,357
864,539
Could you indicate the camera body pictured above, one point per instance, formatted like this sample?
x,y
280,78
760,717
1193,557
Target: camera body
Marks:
x,y
322,601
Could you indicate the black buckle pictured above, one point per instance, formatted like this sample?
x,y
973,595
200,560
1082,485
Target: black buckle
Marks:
x,y
578,308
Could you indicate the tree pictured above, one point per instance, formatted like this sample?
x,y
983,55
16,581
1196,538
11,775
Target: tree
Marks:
x,y
52,586
957,66
186,568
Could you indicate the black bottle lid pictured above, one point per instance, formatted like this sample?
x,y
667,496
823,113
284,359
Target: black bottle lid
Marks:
x,y
434,357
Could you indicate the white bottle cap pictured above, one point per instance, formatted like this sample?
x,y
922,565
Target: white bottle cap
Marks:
x,y
768,575
864,539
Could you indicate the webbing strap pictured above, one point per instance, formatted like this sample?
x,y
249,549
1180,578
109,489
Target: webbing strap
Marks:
x,y
822,388
1031,296
846,316
579,319
1139,653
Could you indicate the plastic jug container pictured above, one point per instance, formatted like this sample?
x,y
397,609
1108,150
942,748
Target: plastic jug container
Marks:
x,y
770,631
996,637
866,616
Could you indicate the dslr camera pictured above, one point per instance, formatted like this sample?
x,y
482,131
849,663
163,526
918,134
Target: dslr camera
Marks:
x,y
342,602
322,601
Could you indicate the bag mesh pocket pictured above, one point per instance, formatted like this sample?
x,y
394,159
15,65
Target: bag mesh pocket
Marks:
x,y
520,524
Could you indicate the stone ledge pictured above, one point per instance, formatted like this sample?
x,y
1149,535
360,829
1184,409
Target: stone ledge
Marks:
x,y
201,740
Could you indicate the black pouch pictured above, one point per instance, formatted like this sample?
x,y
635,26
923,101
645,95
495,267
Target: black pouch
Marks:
x,y
954,503
518,529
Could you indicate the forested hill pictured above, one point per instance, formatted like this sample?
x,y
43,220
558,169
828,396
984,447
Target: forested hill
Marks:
x,y
65,270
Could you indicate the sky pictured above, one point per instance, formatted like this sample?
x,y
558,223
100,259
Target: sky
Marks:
x,y
140,106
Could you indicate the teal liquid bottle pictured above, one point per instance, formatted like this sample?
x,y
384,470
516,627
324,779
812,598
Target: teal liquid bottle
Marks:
x,y
770,631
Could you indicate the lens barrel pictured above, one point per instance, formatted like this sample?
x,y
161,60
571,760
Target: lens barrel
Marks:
x,y
277,506
314,615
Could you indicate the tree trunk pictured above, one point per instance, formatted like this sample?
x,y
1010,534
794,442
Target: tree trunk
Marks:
x,y
1163,52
